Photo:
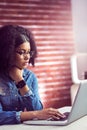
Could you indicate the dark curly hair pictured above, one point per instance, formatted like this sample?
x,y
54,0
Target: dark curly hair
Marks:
x,y
10,38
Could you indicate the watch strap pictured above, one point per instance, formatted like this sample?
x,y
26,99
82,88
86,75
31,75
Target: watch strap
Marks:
x,y
21,84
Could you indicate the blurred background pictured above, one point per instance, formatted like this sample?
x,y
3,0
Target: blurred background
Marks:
x,y
59,29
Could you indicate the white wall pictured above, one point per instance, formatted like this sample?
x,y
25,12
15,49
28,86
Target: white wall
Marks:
x,y
79,14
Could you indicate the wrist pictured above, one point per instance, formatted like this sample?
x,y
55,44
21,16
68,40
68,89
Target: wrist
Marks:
x,y
20,84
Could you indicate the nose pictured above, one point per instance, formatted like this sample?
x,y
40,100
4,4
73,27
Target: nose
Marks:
x,y
27,57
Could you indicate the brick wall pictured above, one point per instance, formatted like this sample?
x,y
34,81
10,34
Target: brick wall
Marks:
x,y
51,24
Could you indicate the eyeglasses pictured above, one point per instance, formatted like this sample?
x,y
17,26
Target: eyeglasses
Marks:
x,y
24,53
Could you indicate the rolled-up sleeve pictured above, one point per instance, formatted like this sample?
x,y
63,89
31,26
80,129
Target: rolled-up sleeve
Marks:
x,y
9,117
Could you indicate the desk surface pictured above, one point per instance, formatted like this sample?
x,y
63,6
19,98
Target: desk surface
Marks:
x,y
80,124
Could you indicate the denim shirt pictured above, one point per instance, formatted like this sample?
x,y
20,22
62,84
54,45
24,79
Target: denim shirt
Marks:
x,y
12,102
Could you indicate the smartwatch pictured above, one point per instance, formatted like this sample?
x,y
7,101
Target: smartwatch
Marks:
x,y
21,84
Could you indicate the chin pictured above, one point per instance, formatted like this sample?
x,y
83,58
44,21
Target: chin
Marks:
x,y
24,67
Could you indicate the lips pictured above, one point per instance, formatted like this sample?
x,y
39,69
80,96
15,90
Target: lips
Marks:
x,y
26,63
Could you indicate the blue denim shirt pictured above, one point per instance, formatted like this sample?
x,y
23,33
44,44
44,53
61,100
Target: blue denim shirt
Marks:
x,y
12,103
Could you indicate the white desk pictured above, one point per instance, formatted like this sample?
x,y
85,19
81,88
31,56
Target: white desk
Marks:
x,y
80,124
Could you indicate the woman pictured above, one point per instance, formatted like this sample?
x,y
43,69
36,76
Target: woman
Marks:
x,y
19,98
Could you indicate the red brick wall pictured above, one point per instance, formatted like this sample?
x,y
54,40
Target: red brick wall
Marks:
x,y
51,24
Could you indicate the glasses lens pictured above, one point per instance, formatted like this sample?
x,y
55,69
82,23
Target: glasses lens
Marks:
x,y
31,53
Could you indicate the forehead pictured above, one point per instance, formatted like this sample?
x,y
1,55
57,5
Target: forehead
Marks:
x,y
25,46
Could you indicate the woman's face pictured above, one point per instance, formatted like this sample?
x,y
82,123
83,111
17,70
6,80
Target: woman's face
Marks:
x,y
22,55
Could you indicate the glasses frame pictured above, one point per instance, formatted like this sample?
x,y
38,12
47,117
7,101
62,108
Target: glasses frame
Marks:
x,y
24,53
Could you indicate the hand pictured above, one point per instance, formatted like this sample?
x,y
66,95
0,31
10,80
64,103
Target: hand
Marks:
x,y
15,73
49,113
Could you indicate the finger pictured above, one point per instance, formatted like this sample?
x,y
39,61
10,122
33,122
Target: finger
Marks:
x,y
55,118
60,114
57,113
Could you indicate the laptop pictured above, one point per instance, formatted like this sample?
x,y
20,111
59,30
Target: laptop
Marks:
x,y
78,110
